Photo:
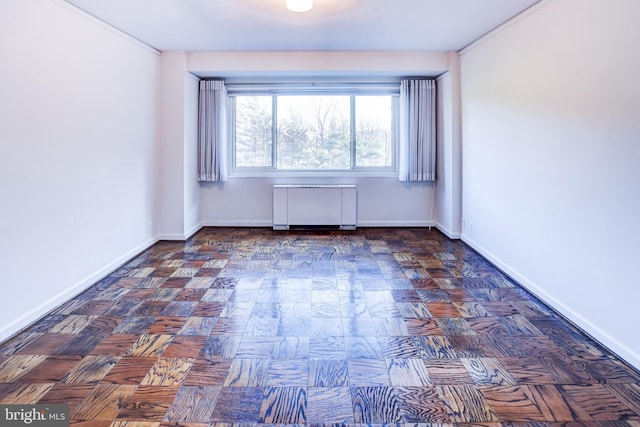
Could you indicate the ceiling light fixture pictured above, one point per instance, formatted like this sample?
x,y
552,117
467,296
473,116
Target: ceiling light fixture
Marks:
x,y
299,5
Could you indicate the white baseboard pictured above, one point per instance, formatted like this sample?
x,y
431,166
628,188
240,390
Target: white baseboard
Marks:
x,y
268,223
577,319
396,224
193,231
171,236
243,223
450,234
43,309
180,236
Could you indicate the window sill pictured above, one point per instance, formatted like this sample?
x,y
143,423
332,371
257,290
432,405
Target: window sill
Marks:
x,y
313,174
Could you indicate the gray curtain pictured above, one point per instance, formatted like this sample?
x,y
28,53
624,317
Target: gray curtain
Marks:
x,y
417,151
212,131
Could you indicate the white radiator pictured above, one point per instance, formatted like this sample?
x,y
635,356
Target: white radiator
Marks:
x,y
314,205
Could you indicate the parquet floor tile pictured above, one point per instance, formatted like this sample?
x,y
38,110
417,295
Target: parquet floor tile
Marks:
x,y
50,370
329,405
90,370
129,370
103,402
45,343
193,404
68,394
26,393
249,327
148,403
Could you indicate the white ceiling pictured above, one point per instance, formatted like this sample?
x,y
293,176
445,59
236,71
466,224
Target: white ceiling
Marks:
x,y
266,25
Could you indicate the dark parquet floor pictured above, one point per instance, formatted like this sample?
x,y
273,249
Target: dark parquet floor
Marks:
x,y
376,326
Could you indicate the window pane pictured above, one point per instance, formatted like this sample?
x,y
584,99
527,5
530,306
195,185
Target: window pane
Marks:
x,y
313,132
253,131
373,131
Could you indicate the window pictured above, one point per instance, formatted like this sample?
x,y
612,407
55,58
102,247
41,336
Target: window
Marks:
x,y
313,132
314,129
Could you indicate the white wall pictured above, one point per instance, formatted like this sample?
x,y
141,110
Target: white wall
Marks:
x,y
178,204
448,191
318,63
192,210
77,129
551,159
169,206
381,201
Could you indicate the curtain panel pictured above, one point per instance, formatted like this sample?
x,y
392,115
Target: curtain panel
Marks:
x,y
417,150
212,131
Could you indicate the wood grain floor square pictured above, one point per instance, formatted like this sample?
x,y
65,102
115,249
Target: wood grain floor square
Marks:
x,y
90,370
66,394
129,370
115,345
284,405
103,403
408,372
238,405
448,372
72,324
599,402
26,393
288,373
515,403
50,370
368,373
422,405
148,403
45,344
193,404
81,344
465,404
329,405
208,373
15,366
486,371
247,373
167,372
149,345
185,346
377,405
328,373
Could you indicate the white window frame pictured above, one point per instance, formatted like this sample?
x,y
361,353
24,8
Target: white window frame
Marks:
x,y
351,89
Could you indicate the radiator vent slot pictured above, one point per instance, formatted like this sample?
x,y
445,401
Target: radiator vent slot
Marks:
x,y
314,205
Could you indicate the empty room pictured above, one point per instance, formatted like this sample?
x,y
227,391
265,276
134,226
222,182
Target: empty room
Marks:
x,y
319,212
